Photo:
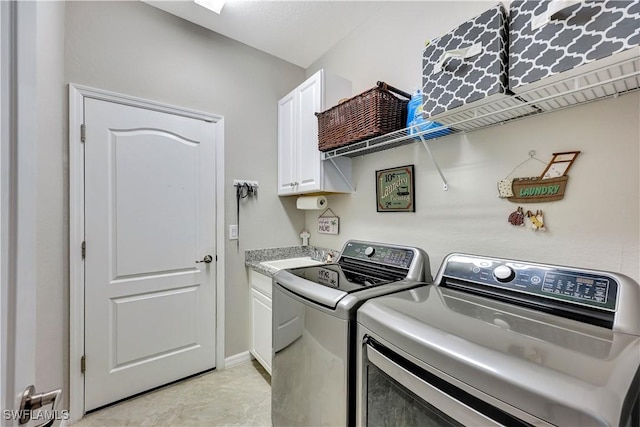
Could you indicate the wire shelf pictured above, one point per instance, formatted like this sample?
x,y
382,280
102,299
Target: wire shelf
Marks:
x,y
610,81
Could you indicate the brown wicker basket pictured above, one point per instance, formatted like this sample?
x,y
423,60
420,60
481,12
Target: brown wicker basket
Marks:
x,y
372,113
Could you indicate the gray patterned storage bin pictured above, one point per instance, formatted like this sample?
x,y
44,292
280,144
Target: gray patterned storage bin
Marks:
x,y
467,68
551,40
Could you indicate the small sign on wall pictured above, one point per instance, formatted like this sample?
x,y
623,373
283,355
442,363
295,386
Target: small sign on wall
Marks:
x,y
328,224
395,190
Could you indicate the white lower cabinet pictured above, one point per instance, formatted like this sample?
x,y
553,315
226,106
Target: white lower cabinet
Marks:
x,y
261,318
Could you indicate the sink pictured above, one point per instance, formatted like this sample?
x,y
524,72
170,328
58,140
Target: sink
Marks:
x,y
291,263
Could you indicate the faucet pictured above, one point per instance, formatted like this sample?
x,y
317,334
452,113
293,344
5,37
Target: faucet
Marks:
x,y
322,255
329,258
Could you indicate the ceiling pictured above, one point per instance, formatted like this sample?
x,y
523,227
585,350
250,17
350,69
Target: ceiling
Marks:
x,y
298,32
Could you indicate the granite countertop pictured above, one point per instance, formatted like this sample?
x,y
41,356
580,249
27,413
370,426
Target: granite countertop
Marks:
x,y
253,257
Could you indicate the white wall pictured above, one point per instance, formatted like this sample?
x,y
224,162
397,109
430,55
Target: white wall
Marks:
x,y
596,225
133,48
19,142
136,49
52,232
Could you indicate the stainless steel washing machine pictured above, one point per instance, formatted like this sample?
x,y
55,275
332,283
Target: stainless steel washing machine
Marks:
x,y
502,342
314,309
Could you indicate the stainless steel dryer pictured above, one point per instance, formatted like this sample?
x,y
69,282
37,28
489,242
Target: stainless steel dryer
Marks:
x,y
314,326
502,342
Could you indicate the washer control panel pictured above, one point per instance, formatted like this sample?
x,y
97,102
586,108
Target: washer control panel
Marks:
x,y
379,254
566,284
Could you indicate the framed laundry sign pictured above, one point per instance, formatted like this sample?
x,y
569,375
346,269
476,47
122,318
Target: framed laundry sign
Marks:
x,y
395,189
328,223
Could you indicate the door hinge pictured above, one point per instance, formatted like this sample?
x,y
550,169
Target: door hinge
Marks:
x,y
84,250
216,258
83,364
83,132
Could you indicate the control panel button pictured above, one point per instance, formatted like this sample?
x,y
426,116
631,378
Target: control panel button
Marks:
x,y
369,251
503,273
535,279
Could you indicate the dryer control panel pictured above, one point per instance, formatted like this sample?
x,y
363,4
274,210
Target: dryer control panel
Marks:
x,y
568,285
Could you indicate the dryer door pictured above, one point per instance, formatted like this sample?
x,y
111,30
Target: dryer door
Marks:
x,y
418,397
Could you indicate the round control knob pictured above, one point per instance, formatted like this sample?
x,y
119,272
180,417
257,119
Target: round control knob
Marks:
x,y
503,273
369,251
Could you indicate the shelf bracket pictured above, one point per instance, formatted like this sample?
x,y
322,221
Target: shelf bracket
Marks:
x,y
353,190
445,185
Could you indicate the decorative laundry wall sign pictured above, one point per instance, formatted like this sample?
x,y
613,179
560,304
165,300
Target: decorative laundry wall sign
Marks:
x,y
395,189
548,187
328,224
530,190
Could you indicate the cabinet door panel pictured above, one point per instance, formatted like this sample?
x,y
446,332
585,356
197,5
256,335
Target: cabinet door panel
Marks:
x,y
261,336
308,155
287,135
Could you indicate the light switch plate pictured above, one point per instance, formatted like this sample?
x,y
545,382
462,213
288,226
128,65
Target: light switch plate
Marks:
x,y
233,232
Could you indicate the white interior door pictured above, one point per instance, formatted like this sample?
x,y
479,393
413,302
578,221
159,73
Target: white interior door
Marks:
x,y
149,216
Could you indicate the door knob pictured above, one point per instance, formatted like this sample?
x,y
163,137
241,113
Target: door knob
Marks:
x,y
207,259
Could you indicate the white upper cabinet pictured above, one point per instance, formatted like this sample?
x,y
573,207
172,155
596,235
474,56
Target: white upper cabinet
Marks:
x,y
300,167
286,143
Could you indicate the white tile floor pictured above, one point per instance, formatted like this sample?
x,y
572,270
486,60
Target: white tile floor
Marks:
x,y
238,396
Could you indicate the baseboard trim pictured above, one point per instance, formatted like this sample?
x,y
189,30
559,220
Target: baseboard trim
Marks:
x,y
237,359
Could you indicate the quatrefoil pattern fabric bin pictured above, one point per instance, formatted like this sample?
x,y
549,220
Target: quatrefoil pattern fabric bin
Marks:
x,y
463,81
574,36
